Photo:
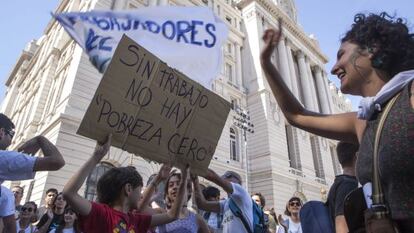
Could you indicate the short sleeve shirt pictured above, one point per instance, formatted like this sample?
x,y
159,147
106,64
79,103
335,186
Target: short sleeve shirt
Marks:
x,y
243,200
341,187
6,202
104,219
16,166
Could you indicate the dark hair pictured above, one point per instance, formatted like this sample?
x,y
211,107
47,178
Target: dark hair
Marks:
x,y
76,226
52,190
54,200
261,197
34,216
111,183
346,153
387,38
5,122
287,212
211,192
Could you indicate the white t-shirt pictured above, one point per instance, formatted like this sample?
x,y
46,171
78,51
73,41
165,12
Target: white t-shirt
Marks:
x,y
212,222
231,223
6,202
16,166
29,229
293,228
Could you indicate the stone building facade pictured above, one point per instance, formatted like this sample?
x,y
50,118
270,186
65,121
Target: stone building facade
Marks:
x,y
53,82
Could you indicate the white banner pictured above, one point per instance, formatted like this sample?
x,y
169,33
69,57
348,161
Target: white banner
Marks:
x,y
186,38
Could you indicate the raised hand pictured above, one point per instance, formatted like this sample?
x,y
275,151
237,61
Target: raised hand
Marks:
x,y
271,38
164,172
30,147
102,149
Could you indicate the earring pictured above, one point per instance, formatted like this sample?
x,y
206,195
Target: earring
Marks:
x,y
370,50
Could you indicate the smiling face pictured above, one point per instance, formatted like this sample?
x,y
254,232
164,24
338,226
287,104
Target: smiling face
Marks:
x,y
353,68
69,217
27,211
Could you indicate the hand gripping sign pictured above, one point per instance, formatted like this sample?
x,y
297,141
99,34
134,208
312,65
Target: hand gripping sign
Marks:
x,y
188,39
155,111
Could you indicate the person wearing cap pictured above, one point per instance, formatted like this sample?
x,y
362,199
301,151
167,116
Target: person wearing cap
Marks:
x,y
20,165
230,182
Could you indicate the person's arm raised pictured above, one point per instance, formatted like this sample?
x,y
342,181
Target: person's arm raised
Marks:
x,y
52,159
340,126
146,196
224,184
202,203
70,191
173,213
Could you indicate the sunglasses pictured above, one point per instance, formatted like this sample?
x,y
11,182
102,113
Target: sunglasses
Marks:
x,y
29,209
294,203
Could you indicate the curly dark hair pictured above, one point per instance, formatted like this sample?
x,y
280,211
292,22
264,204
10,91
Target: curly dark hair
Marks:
x,y
110,184
387,38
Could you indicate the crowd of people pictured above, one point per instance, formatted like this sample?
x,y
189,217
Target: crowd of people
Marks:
x,y
375,60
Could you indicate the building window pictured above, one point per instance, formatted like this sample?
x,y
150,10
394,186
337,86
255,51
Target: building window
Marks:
x,y
317,158
92,181
228,70
293,148
234,145
335,162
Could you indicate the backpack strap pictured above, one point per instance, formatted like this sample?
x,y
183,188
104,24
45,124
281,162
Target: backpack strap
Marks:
x,y
377,193
238,213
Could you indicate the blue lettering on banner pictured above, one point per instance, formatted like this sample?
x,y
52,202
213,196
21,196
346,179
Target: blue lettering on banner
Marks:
x,y
181,31
94,41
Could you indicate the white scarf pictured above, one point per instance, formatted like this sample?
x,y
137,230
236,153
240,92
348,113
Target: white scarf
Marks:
x,y
369,105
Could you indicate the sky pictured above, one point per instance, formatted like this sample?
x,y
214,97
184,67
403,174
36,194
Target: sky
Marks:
x,y
24,20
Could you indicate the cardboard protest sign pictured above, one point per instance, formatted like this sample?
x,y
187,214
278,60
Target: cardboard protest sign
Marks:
x,y
155,111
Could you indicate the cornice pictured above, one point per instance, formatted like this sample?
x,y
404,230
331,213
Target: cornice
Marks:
x,y
288,24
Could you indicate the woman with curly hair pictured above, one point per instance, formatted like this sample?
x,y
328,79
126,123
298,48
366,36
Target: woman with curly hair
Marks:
x,y
376,61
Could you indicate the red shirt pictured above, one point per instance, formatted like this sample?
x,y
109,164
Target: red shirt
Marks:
x,y
104,219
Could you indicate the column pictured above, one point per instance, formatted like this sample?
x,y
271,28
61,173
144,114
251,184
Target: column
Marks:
x,y
293,78
312,86
328,91
163,2
306,89
238,66
119,5
152,2
283,62
322,92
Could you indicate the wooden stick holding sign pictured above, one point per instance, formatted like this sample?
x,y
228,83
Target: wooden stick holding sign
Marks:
x,y
155,111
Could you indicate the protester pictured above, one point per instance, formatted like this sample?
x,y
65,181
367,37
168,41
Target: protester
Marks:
x,y
18,195
49,200
375,61
119,191
273,220
188,221
21,166
27,216
54,217
268,219
342,185
231,183
292,223
70,225
214,220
